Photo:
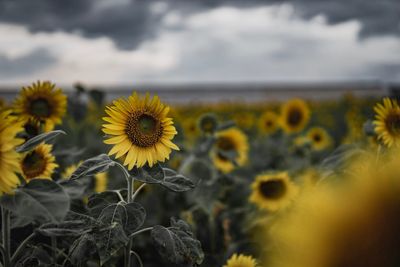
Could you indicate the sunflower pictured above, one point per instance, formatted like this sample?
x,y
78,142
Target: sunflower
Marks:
x,y
230,150
9,158
295,115
273,191
41,102
38,163
319,138
140,130
387,122
268,122
241,261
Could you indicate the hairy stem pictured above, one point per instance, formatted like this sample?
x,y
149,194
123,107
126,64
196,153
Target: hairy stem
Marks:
x,y
21,248
5,231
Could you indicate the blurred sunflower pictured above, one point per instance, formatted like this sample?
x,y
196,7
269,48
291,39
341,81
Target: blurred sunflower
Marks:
x,y
273,191
268,122
387,122
241,261
295,114
139,130
9,158
41,102
352,222
38,163
319,138
208,123
244,120
230,150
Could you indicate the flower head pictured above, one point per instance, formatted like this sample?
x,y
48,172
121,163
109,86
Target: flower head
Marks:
x,y
241,261
295,115
387,122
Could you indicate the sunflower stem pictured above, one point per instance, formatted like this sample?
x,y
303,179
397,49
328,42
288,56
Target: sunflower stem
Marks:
x,y
5,231
21,247
54,249
137,191
130,185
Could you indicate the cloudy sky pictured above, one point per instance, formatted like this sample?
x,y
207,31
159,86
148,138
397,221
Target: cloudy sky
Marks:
x,y
136,41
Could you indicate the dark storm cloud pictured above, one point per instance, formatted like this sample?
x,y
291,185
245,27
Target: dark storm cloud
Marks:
x,y
129,22
25,65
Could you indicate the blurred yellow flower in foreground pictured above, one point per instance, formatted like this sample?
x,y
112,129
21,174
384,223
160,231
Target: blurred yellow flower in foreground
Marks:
x,y
273,191
9,158
352,221
241,261
387,122
41,102
139,130
230,150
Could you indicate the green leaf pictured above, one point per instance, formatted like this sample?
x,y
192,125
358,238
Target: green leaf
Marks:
x,y
150,175
129,215
119,220
74,188
37,140
177,244
66,228
91,166
177,183
40,200
83,249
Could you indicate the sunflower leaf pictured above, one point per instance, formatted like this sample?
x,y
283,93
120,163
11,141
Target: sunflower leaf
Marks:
x,y
66,228
176,182
37,140
150,175
177,244
82,249
40,200
91,166
122,219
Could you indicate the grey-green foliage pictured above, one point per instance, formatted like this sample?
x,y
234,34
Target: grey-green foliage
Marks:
x,y
37,140
177,243
40,201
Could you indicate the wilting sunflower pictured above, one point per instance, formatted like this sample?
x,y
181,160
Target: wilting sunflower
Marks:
x,y
38,163
9,158
295,114
273,191
268,122
241,261
319,138
41,102
140,130
387,122
230,150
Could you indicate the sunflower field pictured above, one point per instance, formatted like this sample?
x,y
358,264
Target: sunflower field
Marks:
x,y
137,182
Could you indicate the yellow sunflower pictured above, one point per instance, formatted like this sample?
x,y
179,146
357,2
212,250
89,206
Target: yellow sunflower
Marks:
x,y
38,163
140,130
273,191
241,261
232,142
319,138
295,114
41,102
268,122
9,158
387,122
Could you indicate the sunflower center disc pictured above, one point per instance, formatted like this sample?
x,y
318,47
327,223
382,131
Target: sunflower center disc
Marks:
x,y
317,138
295,116
272,189
225,144
33,165
143,129
41,108
393,122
